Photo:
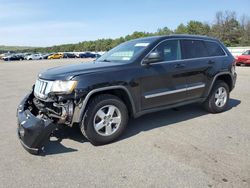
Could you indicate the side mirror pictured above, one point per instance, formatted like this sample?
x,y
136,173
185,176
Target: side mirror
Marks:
x,y
153,57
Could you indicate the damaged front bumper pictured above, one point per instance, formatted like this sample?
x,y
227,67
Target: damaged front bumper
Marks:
x,y
33,131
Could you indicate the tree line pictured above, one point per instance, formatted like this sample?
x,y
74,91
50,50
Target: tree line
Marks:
x,y
227,27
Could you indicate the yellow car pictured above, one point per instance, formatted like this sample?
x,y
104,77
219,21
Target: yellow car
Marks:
x,y
56,56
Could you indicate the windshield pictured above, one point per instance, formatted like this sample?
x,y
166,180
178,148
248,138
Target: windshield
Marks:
x,y
126,52
246,52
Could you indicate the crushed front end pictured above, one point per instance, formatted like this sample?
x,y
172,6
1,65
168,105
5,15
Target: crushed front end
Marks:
x,y
39,114
32,129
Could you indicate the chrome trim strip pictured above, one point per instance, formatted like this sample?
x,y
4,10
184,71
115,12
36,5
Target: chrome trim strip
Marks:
x,y
174,91
165,93
196,87
42,88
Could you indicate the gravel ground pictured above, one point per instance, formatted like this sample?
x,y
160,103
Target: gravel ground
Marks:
x,y
185,147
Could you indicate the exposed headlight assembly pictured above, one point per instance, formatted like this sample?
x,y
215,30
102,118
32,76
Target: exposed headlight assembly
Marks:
x,y
63,87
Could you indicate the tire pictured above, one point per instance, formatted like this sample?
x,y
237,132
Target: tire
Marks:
x,y
216,102
109,132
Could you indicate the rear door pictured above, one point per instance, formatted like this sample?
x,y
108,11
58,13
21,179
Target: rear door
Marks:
x,y
198,65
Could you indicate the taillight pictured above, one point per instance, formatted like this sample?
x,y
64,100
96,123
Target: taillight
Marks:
x,y
234,62
233,66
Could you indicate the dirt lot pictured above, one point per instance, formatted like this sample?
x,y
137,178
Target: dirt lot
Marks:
x,y
185,147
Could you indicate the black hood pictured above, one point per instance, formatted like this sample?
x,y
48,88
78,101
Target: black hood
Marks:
x,y
68,71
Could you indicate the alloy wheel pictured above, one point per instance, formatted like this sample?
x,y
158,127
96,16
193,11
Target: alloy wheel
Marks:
x,y
220,97
107,120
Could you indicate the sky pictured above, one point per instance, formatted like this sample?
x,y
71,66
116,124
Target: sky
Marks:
x,y
53,22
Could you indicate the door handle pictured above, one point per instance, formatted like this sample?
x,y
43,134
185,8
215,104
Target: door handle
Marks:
x,y
180,65
211,62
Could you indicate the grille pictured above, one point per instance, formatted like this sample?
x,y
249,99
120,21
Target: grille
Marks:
x,y
42,88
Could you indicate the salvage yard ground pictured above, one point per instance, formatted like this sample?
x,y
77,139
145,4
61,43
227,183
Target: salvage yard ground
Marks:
x,y
184,147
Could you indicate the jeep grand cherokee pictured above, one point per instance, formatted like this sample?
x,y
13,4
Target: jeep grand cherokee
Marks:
x,y
137,77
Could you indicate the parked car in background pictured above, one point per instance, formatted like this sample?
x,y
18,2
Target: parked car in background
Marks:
x,y
45,56
4,55
34,57
56,56
13,57
87,55
69,55
26,54
243,59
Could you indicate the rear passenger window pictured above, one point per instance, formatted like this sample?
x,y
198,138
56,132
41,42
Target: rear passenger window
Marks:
x,y
214,49
193,49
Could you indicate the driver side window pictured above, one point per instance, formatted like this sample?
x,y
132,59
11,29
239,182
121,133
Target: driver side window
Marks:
x,y
169,50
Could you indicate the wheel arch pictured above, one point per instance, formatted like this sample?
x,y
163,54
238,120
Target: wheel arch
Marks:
x,y
120,91
224,76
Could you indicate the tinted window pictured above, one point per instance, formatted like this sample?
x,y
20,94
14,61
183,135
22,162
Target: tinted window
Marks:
x,y
169,50
193,49
214,49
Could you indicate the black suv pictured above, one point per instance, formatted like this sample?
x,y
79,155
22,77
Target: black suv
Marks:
x,y
137,77
69,55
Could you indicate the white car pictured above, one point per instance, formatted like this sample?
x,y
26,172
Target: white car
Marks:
x,y
34,57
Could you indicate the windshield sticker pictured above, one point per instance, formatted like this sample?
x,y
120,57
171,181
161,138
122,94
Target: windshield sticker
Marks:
x,y
142,44
126,58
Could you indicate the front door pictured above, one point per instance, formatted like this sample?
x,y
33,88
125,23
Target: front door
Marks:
x,y
163,82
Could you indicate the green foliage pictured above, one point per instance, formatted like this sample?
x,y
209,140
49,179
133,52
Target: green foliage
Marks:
x,y
227,28
198,28
164,31
181,29
4,49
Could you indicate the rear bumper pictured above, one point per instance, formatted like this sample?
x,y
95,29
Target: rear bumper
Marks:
x,y
32,131
243,61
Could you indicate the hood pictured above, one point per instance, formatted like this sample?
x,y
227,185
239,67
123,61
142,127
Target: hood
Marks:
x,y
69,71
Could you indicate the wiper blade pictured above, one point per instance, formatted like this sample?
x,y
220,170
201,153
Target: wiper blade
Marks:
x,y
105,60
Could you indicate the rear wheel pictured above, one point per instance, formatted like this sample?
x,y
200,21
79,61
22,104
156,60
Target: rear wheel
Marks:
x,y
218,98
105,119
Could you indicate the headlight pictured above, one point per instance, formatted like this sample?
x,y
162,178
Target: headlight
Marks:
x,y
65,87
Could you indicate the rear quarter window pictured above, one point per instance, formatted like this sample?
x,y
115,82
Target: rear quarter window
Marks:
x,y
214,49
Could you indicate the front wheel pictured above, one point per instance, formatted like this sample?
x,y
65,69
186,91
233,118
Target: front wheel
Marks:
x,y
218,98
105,119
